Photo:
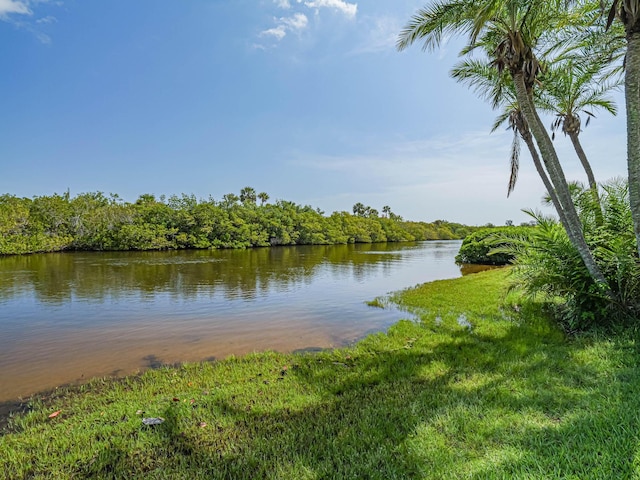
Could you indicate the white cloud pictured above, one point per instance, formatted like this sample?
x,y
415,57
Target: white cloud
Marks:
x,y
379,34
299,21
295,23
47,19
18,7
283,4
461,178
24,7
349,9
426,160
43,38
10,8
278,32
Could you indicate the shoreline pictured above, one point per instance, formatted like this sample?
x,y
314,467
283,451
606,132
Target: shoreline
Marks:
x,y
482,371
20,405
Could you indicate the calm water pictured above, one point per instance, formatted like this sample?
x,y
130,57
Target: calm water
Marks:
x,y
68,317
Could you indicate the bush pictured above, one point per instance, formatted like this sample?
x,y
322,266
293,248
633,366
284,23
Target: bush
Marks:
x,y
490,246
548,264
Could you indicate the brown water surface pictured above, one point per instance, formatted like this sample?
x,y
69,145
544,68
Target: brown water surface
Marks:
x,y
68,317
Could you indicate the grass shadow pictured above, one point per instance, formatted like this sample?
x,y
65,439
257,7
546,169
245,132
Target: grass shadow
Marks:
x,y
471,407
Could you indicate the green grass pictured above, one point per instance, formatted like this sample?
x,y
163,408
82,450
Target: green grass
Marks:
x,y
480,388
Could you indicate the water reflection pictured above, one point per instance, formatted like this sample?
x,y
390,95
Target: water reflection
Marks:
x,y
70,316
246,274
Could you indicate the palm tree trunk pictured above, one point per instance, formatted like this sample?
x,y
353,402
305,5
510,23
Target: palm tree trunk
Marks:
x,y
528,140
592,179
572,224
583,159
632,96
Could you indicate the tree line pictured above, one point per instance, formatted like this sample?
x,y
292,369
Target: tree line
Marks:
x,y
95,221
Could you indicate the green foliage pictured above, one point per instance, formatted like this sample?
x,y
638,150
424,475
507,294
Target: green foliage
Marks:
x,y
489,246
438,230
94,221
38,225
549,265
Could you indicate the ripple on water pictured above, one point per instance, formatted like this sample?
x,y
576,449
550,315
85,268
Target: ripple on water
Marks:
x,y
68,317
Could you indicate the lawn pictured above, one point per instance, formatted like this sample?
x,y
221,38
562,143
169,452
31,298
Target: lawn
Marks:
x,y
483,385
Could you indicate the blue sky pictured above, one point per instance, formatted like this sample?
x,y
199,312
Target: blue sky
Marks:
x,y
307,100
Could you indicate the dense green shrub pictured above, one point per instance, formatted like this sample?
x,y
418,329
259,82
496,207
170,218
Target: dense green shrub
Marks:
x,y
94,221
489,246
548,265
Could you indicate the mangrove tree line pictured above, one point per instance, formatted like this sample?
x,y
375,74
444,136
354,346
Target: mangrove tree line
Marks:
x,y
95,221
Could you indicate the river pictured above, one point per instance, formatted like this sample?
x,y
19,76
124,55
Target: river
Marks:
x,y
67,317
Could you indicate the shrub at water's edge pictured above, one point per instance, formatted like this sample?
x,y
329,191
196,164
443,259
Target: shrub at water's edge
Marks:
x,y
549,267
487,245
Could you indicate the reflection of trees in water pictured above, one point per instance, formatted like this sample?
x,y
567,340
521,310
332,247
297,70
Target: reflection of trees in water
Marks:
x,y
246,274
442,250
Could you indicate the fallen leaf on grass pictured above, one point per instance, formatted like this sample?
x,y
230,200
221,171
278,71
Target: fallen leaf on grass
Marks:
x,y
55,414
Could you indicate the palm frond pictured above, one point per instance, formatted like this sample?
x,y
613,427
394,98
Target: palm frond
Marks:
x,y
486,81
514,163
435,23
500,119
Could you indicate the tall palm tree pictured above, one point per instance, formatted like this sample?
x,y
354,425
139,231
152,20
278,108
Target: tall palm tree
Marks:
x,y
628,13
497,88
359,209
248,195
263,196
516,27
571,88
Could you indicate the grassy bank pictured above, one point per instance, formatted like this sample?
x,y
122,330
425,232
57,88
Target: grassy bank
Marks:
x,y
481,388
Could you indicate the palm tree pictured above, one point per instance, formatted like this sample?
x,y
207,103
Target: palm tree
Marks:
x,y
248,195
497,88
628,13
515,27
263,196
572,88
